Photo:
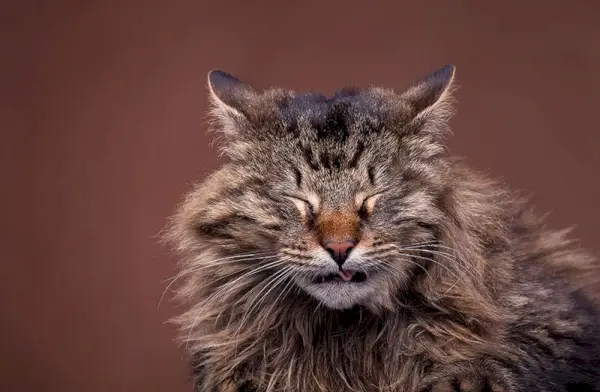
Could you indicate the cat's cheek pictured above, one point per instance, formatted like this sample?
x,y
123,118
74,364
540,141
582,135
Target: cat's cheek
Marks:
x,y
403,233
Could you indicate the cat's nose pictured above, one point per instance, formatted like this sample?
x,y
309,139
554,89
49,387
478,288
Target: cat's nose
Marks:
x,y
339,250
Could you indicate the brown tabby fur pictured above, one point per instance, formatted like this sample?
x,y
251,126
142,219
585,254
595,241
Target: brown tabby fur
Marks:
x,y
493,300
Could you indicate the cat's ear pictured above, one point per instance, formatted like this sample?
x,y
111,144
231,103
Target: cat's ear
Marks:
x,y
430,99
230,98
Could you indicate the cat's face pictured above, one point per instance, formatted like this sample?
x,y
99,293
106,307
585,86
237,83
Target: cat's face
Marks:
x,y
340,194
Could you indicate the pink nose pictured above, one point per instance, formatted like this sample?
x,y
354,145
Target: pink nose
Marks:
x,y
339,250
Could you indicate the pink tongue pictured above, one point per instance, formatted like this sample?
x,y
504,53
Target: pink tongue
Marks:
x,y
345,275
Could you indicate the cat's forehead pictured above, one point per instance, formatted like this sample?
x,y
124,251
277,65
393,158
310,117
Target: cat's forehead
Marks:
x,y
329,134
349,110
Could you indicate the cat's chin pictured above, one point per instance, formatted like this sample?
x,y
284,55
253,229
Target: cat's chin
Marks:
x,y
337,294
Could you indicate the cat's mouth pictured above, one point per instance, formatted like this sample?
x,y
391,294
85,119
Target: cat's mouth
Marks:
x,y
342,276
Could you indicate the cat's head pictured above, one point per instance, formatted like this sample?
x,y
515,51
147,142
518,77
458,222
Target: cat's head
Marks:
x,y
336,196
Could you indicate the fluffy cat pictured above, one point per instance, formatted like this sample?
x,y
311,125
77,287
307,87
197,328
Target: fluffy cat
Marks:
x,y
341,248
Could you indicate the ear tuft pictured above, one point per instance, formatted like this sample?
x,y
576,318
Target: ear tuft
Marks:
x,y
430,98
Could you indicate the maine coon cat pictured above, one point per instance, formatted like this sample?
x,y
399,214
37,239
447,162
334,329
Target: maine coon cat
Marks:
x,y
342,248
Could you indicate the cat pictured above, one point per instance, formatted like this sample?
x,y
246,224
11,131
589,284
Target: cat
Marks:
x,y
341,247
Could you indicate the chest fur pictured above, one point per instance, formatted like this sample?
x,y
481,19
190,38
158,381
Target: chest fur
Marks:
x,y
361,360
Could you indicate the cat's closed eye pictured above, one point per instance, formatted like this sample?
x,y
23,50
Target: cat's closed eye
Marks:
x,y
367,204
306,207
310,209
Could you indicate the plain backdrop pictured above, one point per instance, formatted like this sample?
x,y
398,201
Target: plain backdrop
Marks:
x,y
102,119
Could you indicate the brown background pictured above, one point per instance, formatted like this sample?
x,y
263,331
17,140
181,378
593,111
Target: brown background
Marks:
x,y
102,109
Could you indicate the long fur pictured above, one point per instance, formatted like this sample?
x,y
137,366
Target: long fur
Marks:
x,y
492,300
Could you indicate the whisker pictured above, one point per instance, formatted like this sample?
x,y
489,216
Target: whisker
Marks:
x,y
364,271
391,268
263,284
255,269
438,245
432,260
283,292
192,327
426,248
286,289
272,264
229,260
227,285
209,263
225,288
449,289
231,285
468,268
407,257
283,277
274,282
